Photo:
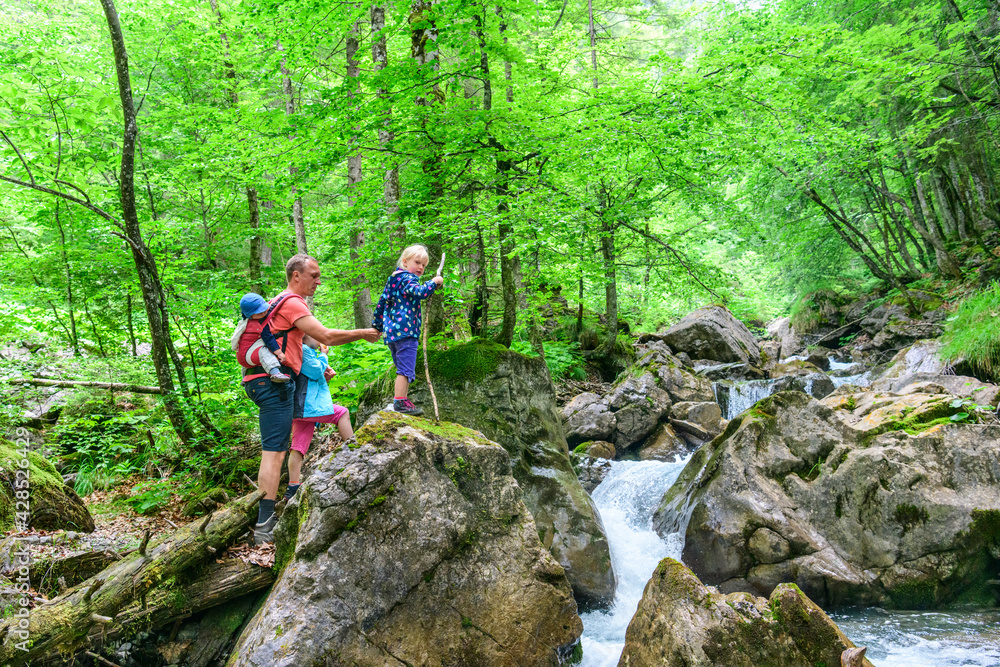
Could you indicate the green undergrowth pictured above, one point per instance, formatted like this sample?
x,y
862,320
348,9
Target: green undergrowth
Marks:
x,y
972,334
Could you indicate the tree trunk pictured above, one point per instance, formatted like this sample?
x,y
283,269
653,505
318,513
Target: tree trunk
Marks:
x,y
298,215
505,230
390,185
69,283
256,282
113,386
63,625
362,305
928,230
201,589
423,39
944,207
593,40
479,313
128,323
152,291
610,282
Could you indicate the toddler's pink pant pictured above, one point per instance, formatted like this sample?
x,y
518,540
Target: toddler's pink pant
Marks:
x,y
302,429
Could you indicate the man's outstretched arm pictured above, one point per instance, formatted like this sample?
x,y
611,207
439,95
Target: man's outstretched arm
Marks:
x,y
311,326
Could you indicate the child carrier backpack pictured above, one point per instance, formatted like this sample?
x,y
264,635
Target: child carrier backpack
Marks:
x,y
249,342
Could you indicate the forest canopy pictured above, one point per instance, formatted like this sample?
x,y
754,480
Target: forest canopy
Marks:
x,y
597,166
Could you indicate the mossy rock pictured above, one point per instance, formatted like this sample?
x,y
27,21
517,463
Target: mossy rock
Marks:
x,y
53,505
924,301
509,398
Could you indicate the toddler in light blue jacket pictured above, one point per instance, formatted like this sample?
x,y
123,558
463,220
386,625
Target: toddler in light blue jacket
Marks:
x,y
319,409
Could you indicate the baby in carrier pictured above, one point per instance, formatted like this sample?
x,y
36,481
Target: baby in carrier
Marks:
x,y
252,340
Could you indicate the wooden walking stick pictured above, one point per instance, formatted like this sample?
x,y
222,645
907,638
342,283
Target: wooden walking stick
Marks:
x,y
427,367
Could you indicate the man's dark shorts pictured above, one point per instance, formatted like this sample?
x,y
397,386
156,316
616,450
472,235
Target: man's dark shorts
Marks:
x,y
278,403
404,355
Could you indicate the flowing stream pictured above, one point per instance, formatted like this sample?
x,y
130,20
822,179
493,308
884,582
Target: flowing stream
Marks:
x,y
626,499
630,494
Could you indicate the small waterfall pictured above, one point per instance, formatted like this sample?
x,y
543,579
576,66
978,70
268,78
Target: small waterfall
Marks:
x,y
630,494
739,396
626,499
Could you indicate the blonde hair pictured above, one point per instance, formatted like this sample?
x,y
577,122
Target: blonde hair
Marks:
x,y
310,341
416,250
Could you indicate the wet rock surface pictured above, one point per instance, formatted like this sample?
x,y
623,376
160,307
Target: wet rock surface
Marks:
x,y
866,497
510,399
682,623
415,548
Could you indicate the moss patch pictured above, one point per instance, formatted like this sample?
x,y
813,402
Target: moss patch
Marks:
x,y
933,414
470,362
388,423
53,505
908,516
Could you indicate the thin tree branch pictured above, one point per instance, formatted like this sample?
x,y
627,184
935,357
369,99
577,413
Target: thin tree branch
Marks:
x,y
19,156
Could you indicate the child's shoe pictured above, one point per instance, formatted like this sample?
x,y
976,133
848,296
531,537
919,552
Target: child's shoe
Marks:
x,y
405,406
278,376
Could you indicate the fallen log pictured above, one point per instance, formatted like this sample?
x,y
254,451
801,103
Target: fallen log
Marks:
x,y
64,624
213,585
52,576
115,386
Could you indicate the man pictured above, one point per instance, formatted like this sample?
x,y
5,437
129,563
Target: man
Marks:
x,y
280,403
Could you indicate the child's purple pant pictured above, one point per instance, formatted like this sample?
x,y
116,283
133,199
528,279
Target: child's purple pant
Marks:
x,y
404,355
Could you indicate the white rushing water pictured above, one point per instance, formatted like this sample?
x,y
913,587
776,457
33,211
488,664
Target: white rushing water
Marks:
x,y
630,494
626,499
925,638
742,395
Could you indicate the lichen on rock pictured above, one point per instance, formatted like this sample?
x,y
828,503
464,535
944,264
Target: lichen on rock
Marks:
x,y
680,622
510,399
863,501
415,548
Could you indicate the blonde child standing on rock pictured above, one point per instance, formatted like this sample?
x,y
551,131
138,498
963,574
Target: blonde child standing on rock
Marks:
x,y
397,316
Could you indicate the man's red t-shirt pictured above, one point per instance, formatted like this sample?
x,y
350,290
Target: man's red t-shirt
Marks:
x,y
292,308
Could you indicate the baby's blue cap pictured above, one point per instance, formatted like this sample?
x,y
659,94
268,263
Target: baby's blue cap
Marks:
x,y
252,304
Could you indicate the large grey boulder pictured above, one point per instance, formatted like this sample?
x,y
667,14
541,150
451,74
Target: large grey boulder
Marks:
x,y
789,342
510,398
924,356
587,417
639,403
961,386
878,318
683,385
665,444
859,499
706,414
713,333
680,622
415,549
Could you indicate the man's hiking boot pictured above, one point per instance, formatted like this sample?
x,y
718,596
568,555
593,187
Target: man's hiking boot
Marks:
x,y
264,532
405,406
278,376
